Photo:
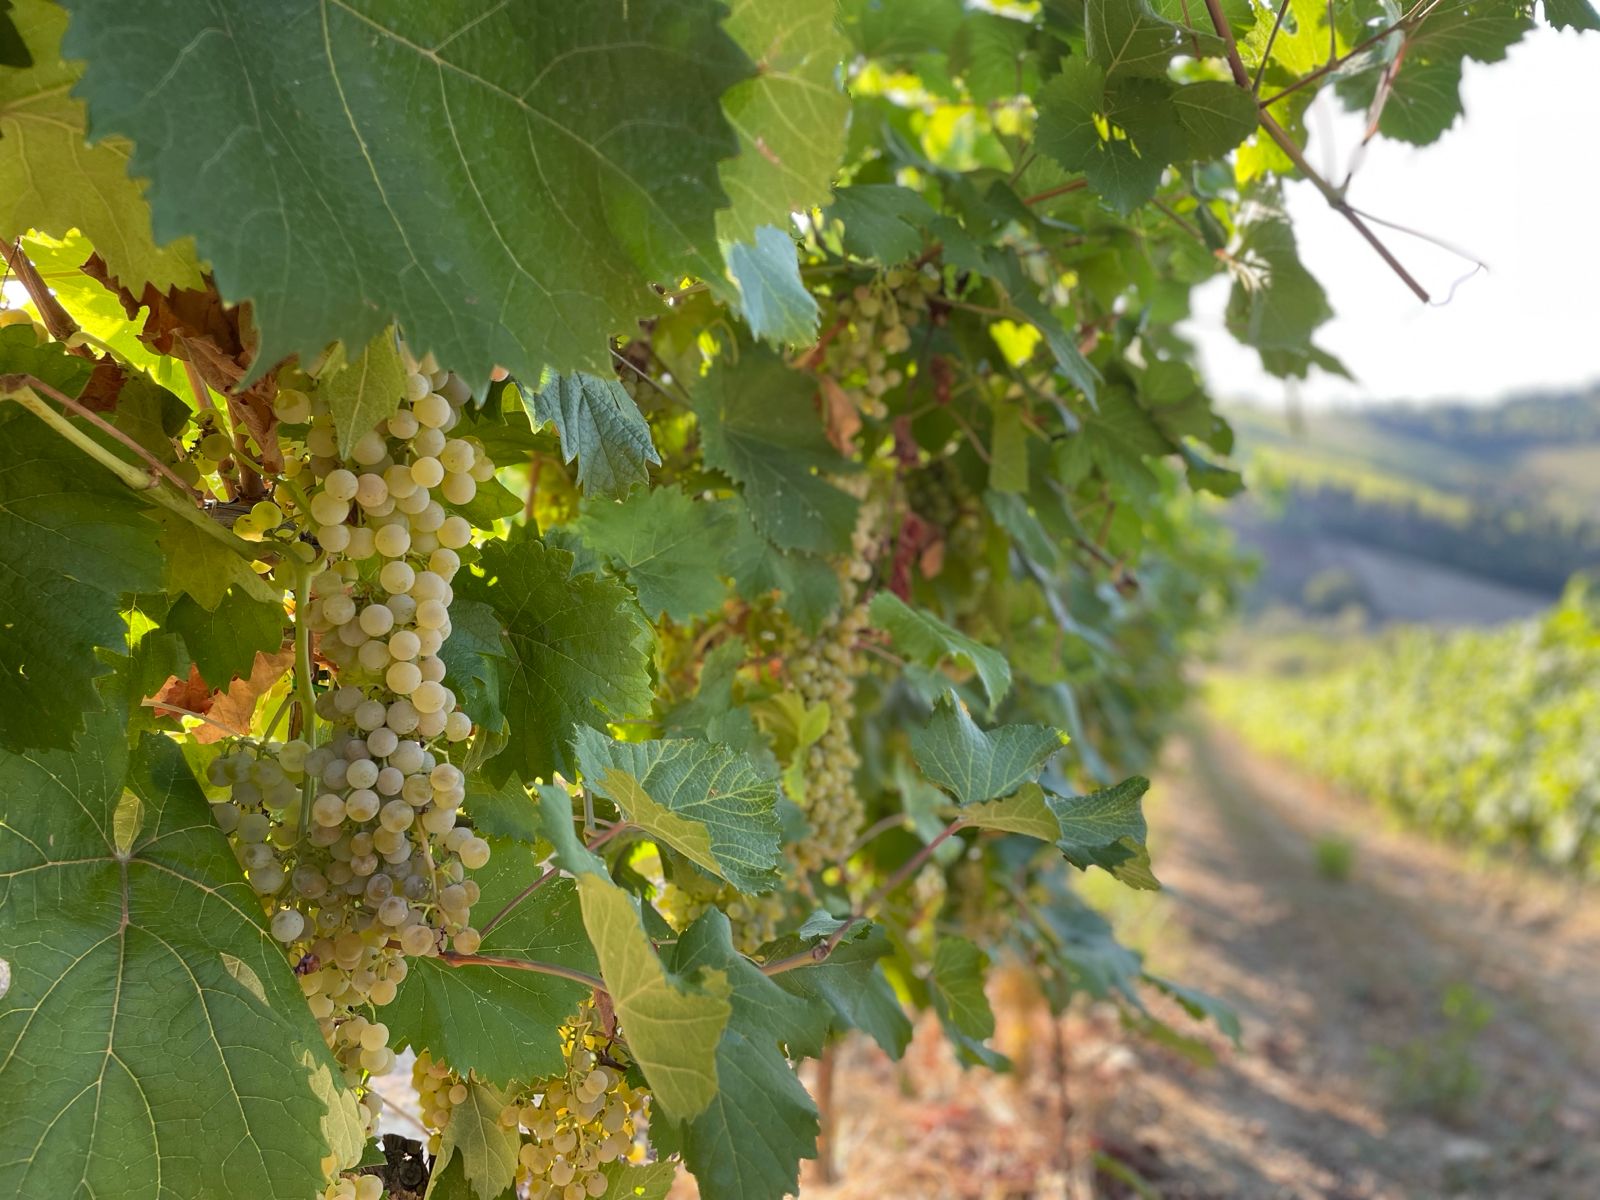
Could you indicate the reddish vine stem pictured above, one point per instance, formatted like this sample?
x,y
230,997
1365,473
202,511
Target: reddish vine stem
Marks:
x,y
1333,64
56,319
1061,189
1287,144
454,959
110,430
820,952
1266,54
549,873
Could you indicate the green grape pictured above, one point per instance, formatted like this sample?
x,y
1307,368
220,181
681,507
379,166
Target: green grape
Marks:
x,y
216,446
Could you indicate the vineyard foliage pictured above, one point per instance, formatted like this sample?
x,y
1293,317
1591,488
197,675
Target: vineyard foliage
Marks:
x,y
607,545
1478,734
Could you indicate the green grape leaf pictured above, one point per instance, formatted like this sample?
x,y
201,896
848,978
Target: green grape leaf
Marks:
x,y
790,116
203,567
957,979
1201,1006
497,193
1008,450
748,1143
959,1001
73,538
1127,37
1024,812
850,982
1121,137
149,1010
773,298
1215,116
975,765
51,181
486,1149
808,583
703,800
635,1181
670,548
1080,943
14,51
1006,270
600,426
366,391
476,662
500,1022
506,811
1275,303
882,221
577,651
1571,14
758,424
1106,829
223,643
673,1024
927,641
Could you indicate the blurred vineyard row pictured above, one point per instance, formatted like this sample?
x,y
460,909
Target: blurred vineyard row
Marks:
x,y
1485,735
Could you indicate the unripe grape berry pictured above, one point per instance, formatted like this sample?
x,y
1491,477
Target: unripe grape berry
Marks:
x,y
459,488
292,407
454,532
376,620
371,490
430,519
403,677
392,541
428,697
266,515
457,455
332,535
287,925
362,543
432,410
340,484
397,577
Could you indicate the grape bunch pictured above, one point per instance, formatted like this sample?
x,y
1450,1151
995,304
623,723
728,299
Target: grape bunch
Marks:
x,y
571,1125
880,317
354,844
824,671
575,1123
753,920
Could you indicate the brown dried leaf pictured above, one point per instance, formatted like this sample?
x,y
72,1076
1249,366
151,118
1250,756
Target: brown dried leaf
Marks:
x,y
235,707
192,693
840,416
217,340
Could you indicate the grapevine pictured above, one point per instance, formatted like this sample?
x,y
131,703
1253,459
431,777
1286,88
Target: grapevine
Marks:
x,y
743,644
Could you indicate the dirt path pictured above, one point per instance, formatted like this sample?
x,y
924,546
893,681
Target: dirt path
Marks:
x,y
1329,975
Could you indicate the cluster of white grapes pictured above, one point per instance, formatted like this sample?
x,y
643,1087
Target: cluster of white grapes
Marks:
x,y
572,1125
880,316
753,920
354,844
824,671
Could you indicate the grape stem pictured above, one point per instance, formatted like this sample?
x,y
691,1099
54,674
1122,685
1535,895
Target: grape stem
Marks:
x,y
57,320
1334,196
303,688
454,959
549,873
820,952
105,427
20,388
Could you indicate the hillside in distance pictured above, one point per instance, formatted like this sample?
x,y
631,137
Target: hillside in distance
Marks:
x,y
1445,513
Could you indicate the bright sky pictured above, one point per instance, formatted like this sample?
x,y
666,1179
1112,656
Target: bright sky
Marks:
x,y
1516,184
